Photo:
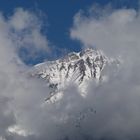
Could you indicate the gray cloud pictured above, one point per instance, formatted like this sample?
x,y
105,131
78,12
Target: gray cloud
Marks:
x,y
116,100
21,97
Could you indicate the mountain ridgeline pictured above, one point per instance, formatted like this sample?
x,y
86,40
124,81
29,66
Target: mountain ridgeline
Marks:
x,y
78,68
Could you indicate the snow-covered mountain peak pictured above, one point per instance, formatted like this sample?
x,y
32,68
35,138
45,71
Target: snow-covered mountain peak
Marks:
x,y
77,68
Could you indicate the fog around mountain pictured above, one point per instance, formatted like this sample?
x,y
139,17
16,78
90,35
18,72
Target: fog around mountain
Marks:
x,y
110,109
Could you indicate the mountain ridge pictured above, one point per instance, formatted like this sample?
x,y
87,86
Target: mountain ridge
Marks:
x,y
77,68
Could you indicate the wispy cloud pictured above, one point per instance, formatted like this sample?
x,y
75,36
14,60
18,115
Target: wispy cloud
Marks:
x,y
25,29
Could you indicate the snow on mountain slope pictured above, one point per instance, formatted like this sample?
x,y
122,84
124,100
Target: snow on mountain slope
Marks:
x,y
77,68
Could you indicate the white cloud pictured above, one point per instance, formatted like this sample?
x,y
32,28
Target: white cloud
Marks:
x,y
21,97
117,100
113,33
25,28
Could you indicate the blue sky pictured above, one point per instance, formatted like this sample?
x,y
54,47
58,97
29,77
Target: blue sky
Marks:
x,y
59,16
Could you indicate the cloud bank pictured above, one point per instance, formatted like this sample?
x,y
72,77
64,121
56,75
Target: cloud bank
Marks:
x,y
116,33
110,110
21,97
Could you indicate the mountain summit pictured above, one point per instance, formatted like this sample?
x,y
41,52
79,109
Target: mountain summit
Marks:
x,y
77,68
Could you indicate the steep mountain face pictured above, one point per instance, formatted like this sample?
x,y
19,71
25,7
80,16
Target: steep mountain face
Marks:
x,y
77,68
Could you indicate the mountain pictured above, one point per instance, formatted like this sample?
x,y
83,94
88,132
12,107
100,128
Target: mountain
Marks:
x,y
78,68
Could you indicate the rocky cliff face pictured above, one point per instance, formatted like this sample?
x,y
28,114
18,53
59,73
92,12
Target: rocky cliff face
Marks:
x,y
77,68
